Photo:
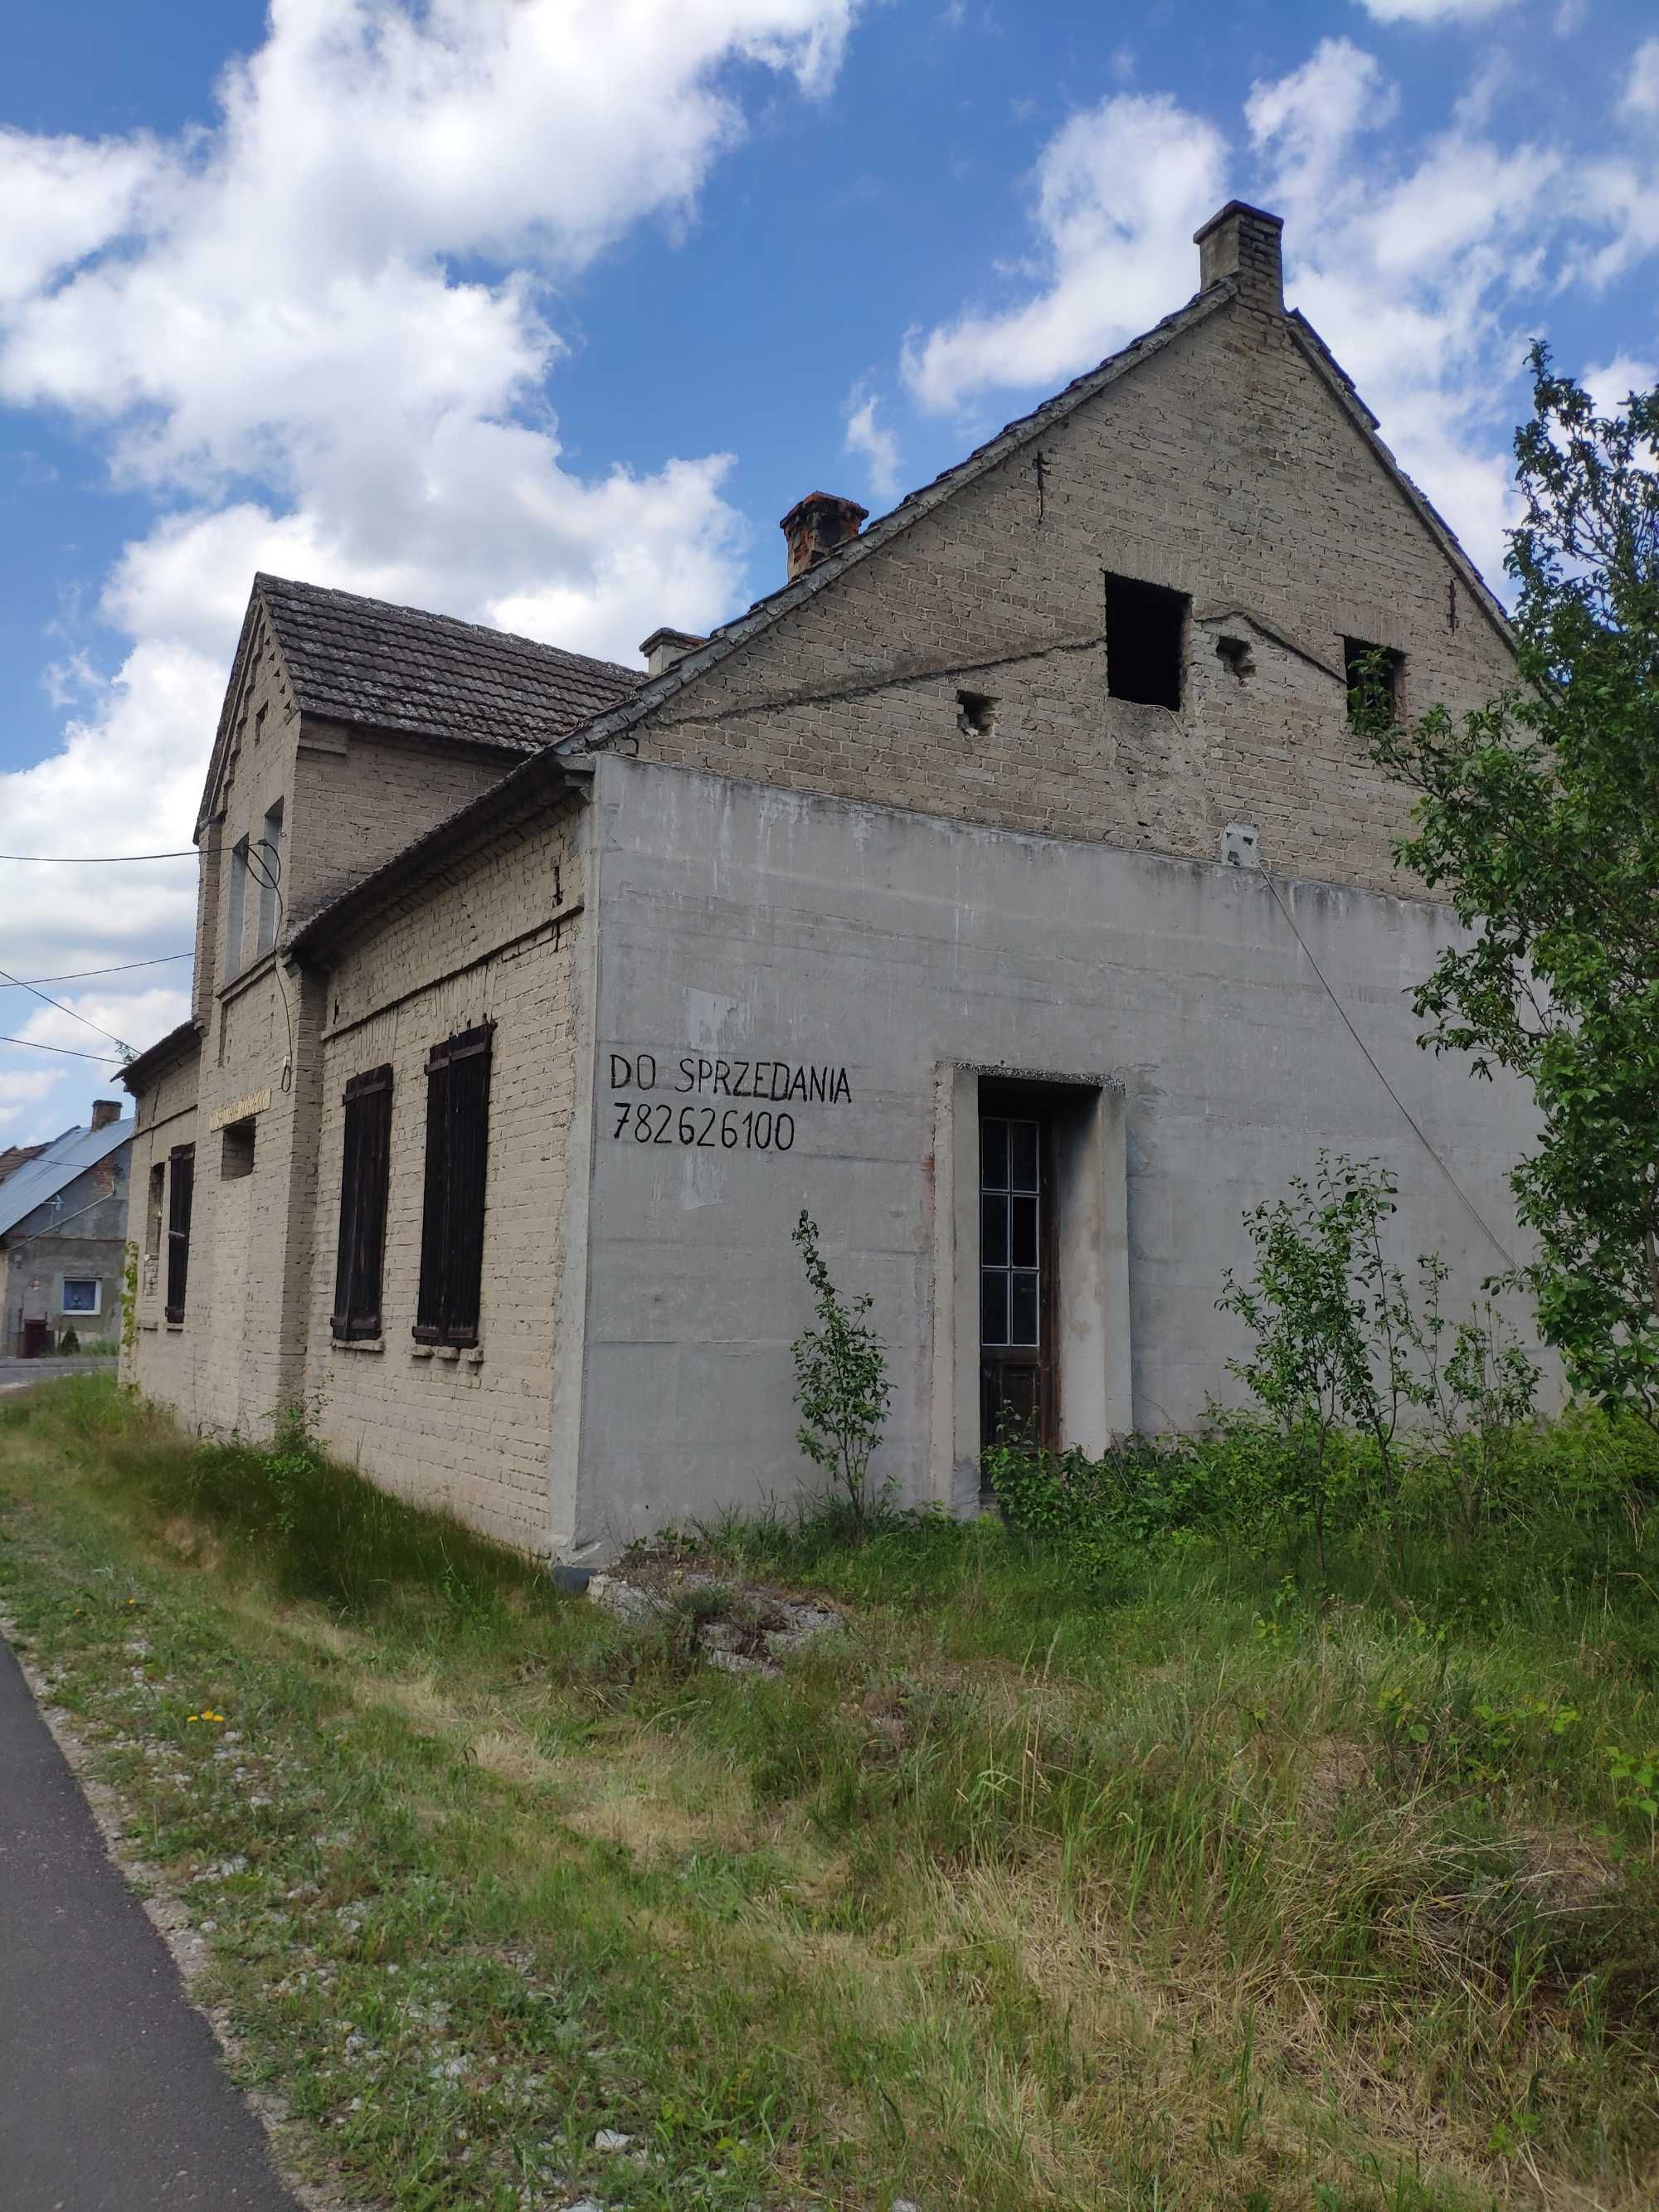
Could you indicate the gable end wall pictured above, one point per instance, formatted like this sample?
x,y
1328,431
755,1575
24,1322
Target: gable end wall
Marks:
x,y
1224,466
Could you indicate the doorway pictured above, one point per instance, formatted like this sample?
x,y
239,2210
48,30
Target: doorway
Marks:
x,y
1018,1396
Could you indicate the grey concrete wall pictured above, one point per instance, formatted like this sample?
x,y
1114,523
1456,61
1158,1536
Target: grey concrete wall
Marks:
x,y
747,923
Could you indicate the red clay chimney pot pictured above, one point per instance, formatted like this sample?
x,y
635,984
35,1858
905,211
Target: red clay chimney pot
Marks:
x,y
815,526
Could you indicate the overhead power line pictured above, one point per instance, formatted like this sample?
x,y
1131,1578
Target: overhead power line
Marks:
x,y
95,860
109,1059
6,976
123,968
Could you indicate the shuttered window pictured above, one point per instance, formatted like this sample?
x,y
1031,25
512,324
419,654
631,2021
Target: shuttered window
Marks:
x,y
363,1173
453,1215
181,1181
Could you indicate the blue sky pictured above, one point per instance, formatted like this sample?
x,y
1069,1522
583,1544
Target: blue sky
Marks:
x,y
543,312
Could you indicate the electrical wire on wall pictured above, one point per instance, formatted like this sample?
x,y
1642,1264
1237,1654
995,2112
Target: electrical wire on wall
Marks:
x,y
264,864
1410,1118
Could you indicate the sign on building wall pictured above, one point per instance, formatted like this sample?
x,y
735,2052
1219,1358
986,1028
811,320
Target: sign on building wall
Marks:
x,y
239,1109
708,1104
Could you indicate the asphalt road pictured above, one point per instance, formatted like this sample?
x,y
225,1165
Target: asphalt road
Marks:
x,y
111,2098
13,1371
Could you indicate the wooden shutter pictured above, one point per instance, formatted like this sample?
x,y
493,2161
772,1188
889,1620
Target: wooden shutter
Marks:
x,y
364,1171
453,1212
469,1154
430,1305
182,1192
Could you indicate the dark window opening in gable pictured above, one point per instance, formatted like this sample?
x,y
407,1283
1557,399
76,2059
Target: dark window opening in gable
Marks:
x,y
976,714
1145,642
236,1152
1373,674
452,1210
365,1171
181,1193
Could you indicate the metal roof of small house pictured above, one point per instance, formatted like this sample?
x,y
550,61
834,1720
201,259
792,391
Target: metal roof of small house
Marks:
x,y
55,1166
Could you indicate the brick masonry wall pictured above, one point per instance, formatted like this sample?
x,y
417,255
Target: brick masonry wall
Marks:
x,y
1224,466
349,800
495,942
162,1361
360,798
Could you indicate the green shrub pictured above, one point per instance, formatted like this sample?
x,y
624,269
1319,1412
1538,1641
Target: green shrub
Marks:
x,y
840,1384
1567,1502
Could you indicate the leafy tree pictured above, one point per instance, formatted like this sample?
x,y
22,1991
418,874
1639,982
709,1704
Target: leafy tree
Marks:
x,y
1538,819
1334,1330
840,1382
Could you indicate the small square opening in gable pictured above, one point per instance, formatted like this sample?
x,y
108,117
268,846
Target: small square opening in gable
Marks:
x,y
1145,642
1373,674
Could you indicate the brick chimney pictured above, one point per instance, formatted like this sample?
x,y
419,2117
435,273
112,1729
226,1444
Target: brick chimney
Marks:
x,y
815,527
104,1111
665,646
1243,242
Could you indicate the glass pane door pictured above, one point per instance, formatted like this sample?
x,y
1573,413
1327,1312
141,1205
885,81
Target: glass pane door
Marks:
x,y
1014,1237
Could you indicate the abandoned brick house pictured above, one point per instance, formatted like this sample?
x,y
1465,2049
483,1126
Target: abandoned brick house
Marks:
x,y
1009,889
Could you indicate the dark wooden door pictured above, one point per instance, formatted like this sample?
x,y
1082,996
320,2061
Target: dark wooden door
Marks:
x,y
1016,1273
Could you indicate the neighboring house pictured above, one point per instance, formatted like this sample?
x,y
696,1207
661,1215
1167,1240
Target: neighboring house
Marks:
x,y
1009,889
62,1234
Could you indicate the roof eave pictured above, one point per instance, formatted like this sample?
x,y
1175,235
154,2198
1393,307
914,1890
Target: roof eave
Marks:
x,y
1330,369
137,1073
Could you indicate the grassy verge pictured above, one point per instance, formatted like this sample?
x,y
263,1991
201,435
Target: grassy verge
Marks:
x,y
1177,1886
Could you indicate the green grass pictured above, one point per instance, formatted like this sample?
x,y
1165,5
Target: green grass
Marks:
x,y
1167,1879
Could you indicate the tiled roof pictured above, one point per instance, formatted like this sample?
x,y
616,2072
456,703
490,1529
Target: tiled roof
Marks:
x,y
55,1166
13,1156
359,661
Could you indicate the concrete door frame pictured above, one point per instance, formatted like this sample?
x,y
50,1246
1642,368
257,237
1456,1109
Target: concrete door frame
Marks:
x,y
1094,1351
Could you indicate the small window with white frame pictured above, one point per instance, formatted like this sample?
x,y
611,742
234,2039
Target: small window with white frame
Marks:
x,y
82,1294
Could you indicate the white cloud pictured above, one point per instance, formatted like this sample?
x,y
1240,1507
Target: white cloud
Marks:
x,y
1425,263
1611,383
1429,12
1409,261
877,444
1120,190
267,324
1312,117
151,1011
23,1091
1641,95
64,198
